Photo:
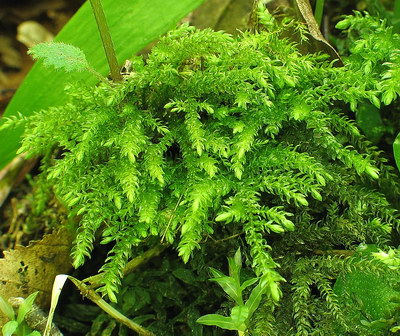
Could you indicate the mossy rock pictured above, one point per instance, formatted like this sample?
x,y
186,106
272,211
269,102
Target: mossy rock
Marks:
x,y
371,299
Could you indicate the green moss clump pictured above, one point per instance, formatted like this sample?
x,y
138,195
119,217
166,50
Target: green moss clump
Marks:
x,y
213,132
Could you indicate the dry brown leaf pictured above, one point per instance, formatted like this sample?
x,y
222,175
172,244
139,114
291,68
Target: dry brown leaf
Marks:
x,y
308,16
25,270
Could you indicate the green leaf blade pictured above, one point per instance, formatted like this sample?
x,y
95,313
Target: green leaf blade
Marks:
x,y
34,333
369,119
9,328
239,315
26,306
229,285
255,298
248,283
6,309
217,320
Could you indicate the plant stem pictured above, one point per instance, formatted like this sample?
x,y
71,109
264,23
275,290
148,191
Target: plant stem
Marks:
x,y
95,298
227,238
106,39
319,9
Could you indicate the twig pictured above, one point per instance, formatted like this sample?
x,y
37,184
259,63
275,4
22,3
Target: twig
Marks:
x,y
227,238
95,298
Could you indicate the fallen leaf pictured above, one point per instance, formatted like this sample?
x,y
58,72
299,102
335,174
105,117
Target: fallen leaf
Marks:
x,y
312,25
25,270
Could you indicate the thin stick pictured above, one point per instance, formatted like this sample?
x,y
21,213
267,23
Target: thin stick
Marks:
x,y
227,238
95,298
106,39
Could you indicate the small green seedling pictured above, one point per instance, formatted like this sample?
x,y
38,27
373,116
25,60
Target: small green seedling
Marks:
x,y
63,56
16,324
241,313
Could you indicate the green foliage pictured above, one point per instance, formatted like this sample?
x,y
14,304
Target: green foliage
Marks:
x,y
374,48
167,296
243,136
60,56
374,51
133,25
363,290
387,10
16,324
368,118
242,312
